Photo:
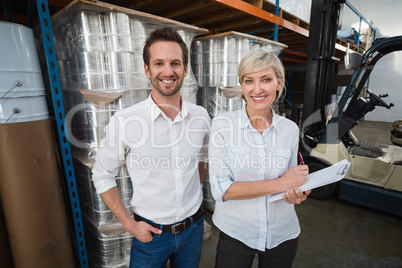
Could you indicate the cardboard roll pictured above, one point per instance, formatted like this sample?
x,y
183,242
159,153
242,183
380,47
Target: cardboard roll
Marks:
x,y
32,196
6,259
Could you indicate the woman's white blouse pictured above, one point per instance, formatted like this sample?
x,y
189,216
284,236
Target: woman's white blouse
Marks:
x,y
238,152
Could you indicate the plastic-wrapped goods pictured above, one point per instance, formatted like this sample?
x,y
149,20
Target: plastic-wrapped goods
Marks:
x,y
299,8
103,51
215,62
108,242
86,120
99,51
366,34
218,103
215,58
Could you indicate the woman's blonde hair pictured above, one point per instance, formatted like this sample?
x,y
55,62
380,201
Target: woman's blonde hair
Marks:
x,y
260,60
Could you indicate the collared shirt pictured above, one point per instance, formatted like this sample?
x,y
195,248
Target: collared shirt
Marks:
x,y
161,156
237,153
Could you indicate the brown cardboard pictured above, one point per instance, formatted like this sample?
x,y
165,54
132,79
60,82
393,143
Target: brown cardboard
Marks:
x,y
101,98
5,252
31,194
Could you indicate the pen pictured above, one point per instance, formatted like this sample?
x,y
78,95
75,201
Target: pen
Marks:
x,y
301,163
301,159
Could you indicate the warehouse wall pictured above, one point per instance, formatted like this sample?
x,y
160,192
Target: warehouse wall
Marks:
x,y
387,74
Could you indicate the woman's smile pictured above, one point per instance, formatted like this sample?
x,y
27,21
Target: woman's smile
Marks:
x,y
259,98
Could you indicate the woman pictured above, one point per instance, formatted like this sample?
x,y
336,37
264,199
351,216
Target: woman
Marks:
x,y
253,154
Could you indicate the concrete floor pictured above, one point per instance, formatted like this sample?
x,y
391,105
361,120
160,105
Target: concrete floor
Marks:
x,y
337,233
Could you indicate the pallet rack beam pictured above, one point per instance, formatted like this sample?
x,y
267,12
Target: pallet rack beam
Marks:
x,y
262,14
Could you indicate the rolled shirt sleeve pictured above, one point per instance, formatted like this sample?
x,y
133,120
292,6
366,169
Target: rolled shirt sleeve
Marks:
x,y
109,158
220,175
203,157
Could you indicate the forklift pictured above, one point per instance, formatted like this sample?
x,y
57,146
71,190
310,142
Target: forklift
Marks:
x,y
370,181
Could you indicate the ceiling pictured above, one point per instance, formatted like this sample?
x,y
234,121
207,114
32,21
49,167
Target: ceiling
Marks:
x,y
255,17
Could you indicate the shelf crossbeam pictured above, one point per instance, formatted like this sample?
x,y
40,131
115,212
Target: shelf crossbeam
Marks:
x,y
262,14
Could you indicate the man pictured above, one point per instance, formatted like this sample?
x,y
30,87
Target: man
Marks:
x,y
161,141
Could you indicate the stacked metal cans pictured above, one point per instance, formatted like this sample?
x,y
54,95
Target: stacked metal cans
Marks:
x,y
101,71
215,61
97,52
103,231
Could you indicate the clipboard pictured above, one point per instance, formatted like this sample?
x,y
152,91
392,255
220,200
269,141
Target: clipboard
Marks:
x,y
322,177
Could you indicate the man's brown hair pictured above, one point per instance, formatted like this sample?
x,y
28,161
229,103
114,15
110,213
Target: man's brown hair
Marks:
x,y
164,34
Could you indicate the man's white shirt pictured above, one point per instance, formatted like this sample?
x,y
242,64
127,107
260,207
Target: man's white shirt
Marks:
x,y
161,156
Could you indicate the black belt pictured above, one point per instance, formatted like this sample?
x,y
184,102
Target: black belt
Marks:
x,y
178,227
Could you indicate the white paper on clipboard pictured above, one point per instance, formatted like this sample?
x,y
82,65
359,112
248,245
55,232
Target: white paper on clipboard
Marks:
x,y
320,178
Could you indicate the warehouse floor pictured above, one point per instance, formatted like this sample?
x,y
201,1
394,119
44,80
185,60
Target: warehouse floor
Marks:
x,y
337,233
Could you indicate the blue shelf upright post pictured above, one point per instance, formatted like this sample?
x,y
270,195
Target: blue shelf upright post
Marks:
x,y
51,60
276,25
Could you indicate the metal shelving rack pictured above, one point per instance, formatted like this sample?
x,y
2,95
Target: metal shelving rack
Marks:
x,y
65,150
54,78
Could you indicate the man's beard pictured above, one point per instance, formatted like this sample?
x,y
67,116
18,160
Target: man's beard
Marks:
x,y
155,84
